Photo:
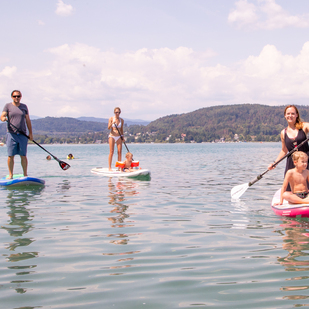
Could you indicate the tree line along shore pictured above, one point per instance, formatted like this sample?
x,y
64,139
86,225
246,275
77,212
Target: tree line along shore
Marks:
x,y
225,123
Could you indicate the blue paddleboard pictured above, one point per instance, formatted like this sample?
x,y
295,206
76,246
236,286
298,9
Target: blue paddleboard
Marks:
x,y
21,181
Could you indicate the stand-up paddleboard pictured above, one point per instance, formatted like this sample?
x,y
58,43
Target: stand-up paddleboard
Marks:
x,y
137,173
287,209
21,181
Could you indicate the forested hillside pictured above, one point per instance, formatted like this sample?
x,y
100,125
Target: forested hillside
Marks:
x,y
243,122
65,130
53,125
248,121
129,122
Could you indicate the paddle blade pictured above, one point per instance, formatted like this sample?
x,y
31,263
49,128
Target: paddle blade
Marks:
x,y
238,191
64,165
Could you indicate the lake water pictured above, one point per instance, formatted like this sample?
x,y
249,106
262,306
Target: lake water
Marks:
x,y
176,241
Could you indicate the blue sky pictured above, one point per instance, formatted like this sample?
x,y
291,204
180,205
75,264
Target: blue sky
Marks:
x,y
152,57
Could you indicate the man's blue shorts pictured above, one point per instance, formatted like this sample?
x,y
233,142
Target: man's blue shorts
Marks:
x,y
16,144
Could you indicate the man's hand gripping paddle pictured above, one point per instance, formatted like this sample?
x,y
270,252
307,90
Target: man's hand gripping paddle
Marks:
x,y
62,164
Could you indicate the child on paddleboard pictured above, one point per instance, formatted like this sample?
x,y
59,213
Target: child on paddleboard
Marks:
x,y
128,163
297,177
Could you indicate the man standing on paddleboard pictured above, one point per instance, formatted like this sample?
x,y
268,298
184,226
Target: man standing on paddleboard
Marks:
x,y
17,114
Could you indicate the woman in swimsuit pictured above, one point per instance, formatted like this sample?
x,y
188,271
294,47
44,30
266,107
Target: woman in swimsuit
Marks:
x,y
115,124
291,136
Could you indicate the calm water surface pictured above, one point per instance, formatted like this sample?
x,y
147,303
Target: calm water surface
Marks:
x,y
177,241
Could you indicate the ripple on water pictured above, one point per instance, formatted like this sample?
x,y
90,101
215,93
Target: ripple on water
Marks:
x,y
177,241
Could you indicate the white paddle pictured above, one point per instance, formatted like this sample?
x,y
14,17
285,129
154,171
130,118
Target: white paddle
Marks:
x,y
239,190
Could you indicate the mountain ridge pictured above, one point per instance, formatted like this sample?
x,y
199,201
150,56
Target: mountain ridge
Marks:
x,y
240,122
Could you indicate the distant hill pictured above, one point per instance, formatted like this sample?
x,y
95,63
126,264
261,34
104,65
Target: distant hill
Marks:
x,y
128,122
61,125
66,125
244,122
249,121
227,116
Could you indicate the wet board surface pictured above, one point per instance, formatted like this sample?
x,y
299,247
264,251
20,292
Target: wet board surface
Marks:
x,y
116,173
287,209
20,181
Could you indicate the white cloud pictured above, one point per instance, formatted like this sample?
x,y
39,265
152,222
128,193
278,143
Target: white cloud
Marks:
x,y
267,14
8,71
41,23
64,9
133,78
150,83
278,78
7,82
245,13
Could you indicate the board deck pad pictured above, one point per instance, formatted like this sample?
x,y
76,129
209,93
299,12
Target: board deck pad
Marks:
x,y
287,209
137,173
20,180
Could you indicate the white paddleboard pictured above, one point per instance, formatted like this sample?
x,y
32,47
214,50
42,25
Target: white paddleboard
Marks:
x,y
115,173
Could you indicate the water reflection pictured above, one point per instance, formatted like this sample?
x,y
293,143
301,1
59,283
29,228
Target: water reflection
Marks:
x,y
118,194
296,241
63,186
18,225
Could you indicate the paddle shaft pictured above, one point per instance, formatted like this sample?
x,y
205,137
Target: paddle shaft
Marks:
x,y
121,137
287,155
34,141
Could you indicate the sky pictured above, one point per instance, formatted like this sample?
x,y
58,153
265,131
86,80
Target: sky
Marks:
x,y
152,58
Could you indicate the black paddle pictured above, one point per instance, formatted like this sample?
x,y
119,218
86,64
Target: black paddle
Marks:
x,y
121,137
239,190
62,164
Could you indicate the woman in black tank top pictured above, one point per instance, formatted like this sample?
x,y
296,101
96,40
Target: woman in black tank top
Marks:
x,y
295,133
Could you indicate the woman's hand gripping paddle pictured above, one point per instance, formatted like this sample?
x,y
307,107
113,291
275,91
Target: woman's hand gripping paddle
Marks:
x,y
121,137
239,190
62,164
